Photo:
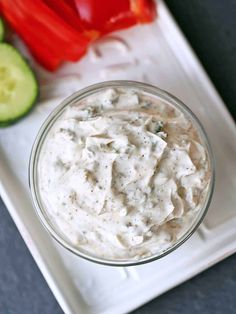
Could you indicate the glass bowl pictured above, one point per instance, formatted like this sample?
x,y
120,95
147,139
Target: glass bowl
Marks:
x,y
42,134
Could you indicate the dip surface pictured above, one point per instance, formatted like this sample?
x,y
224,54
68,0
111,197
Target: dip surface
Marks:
x,y
122,175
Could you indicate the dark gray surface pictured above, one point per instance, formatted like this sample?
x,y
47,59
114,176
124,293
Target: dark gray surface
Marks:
x,y
210,26
23,289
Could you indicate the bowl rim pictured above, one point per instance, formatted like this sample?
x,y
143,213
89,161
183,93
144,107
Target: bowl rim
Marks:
x,y
46,126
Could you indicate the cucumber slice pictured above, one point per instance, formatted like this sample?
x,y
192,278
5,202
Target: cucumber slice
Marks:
x,y
2,30
18,85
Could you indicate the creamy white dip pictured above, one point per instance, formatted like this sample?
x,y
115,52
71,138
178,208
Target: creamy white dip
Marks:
x,y
122,175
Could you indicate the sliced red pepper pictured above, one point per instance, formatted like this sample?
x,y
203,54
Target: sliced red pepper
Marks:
x,y
60,30
37,45
107,16
70,43
144,10
49,37
72,4
68,13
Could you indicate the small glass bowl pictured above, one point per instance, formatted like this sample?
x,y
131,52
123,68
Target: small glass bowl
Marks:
x,y
78,96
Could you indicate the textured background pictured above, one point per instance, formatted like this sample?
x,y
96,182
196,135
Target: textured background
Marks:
x,y
210,26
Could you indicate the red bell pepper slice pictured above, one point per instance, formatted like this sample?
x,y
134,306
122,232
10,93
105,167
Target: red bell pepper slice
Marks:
x,y
60,30
69,42
107,16
37,45
50,39
66,12
144,10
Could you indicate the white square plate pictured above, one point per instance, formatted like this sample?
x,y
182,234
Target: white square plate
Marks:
x,y
158,54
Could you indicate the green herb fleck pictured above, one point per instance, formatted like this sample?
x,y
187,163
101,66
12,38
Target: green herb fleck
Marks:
x,y
159,126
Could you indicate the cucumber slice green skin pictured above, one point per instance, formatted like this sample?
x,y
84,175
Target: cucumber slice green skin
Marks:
x,y
23,102
4,124
9,122
2,30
